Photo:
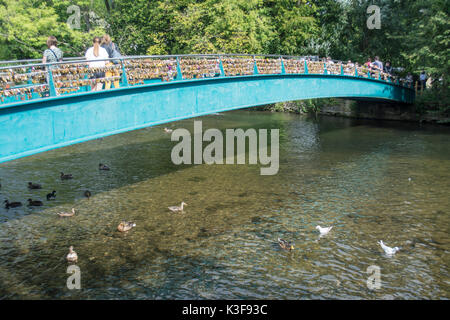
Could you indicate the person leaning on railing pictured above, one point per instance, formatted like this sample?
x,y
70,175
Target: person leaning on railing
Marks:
x,y
113,52
96,52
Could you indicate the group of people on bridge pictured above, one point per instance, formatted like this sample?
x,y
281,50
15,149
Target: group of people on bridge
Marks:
x,y
102,48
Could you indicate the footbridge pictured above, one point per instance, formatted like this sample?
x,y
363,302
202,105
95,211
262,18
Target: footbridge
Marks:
x,y
48,106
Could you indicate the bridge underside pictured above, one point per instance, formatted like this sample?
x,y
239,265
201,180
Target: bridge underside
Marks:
x,y
35,126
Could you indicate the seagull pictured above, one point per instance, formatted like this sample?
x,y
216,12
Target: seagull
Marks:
x,y
178,208
168,130
389,251
323,231
72,256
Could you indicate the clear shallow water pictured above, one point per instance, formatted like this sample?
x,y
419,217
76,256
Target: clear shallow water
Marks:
x,y
346,173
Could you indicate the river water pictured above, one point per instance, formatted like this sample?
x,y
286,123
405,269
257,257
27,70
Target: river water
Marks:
x,y
370,180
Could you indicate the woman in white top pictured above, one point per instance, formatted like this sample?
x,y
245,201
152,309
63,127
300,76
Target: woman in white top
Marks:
x,y
97,53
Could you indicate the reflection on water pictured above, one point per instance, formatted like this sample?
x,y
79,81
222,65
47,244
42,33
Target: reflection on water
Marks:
x,y
353,175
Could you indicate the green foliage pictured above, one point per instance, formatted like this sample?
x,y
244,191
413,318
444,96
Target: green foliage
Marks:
x,y
295,25
414,34
436,99
25,26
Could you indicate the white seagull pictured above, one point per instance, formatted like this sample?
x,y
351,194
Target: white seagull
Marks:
x,y
166,130
389,251
323,231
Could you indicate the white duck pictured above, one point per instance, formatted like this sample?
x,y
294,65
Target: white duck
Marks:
x,y
72,256
67,214
323,231
178,208
388,250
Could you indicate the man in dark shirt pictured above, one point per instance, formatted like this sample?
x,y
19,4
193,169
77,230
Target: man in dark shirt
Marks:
x,y
388,68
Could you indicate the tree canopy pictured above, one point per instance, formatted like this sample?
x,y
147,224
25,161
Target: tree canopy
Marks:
x,y
414,34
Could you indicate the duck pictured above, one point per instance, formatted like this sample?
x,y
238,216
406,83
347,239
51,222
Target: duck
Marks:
x,y
324,231
178,208
66,176
72,256
32,185
67,214
12,204
87,194
285,244
388,250
166,130
34,203
102,166
125,226
51,195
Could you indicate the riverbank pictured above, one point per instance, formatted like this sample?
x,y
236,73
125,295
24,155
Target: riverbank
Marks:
x,y
360,110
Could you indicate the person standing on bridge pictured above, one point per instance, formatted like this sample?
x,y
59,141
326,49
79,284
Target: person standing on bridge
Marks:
x,y
377,64
423,80
53,53
96,52
113,52
388,68
370,66
409,79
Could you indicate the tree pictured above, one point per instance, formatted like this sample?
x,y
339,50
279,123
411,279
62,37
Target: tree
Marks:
x,y
26,24
295,26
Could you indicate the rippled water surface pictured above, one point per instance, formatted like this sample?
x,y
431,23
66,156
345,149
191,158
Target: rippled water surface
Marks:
x,y
351,174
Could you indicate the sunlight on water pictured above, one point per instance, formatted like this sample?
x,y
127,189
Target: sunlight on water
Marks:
x,y
353,175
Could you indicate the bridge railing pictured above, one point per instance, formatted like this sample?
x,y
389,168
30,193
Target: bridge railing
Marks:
x,y
30,81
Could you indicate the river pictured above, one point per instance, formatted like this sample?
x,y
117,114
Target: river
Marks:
x,y
370,180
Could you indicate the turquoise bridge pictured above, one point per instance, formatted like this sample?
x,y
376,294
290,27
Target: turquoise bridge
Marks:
x,y
47,106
